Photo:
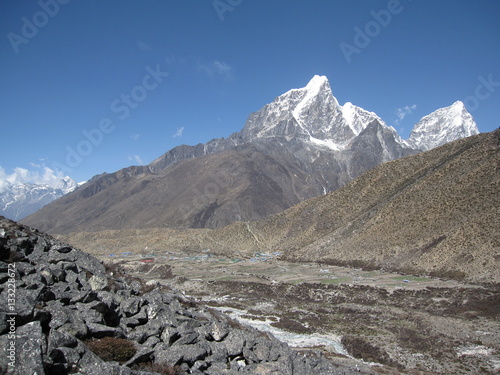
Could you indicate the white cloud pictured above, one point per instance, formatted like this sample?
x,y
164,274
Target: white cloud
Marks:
x,y
179,132
135,137
402,112
40,175
3,180
137,159
142,46
222,68
215,69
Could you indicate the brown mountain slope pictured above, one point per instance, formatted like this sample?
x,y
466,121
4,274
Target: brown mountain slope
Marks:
x,y
209,191
437,211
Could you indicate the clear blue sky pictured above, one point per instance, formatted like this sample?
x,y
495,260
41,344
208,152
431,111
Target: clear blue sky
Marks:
x,y
185,72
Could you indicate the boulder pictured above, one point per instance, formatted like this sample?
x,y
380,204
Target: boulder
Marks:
x,y
30,344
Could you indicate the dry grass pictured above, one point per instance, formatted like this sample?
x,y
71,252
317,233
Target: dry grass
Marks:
x,y
112,348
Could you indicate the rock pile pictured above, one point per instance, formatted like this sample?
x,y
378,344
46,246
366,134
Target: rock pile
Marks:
x,y
58,302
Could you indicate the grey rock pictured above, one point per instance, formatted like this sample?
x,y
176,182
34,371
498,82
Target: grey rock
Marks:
x,y
98,282
72,278
25,302
56,257
30,344
46,274
108,299
58,273
131,306
187,338
144,354
218,352
234,343
260,352
91,364
90,316
101,330
69,356
23,269
62,292
170,335
59,314
129,323
58,339
151,342
216,331
8,357
139,335
199,366
61,248
136,287
66,319
3,321
183,354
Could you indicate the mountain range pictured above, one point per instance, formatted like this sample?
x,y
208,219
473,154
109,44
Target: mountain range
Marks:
x,y
436,212
22,199
302,145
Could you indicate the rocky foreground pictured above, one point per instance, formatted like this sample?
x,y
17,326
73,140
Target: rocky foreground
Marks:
x,y
63,312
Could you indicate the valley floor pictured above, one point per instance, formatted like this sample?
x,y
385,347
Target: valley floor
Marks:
x,y
378,322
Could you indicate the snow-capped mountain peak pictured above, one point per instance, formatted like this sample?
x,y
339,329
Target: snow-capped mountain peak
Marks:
x,y
442,126
19,200
317,88
312,114
316,83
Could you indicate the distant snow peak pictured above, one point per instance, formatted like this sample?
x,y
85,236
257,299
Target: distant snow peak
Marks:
x,y
442,126
311,114
19,199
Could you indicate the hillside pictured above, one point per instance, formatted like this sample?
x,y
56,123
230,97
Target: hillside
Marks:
x,y
437,211
208,191
70,314
434,212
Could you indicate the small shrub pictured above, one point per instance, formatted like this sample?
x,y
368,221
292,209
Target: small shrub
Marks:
x,y
112,349
361,348
449,274
161,368
115,269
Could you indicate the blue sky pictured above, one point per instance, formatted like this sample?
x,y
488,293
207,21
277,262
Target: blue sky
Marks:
x,y
94,86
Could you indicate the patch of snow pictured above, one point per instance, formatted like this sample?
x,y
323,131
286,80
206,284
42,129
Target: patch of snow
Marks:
x,y
474,350
327,143
298,340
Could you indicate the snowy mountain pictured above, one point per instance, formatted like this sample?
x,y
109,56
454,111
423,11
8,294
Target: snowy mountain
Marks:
x,y
302,144
305,121
311,114
20,200
442,126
